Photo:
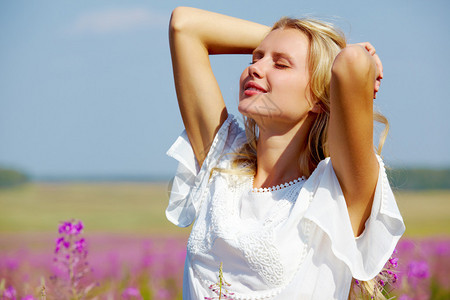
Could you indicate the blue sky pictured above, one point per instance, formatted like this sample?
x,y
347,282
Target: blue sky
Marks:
x,y
86,87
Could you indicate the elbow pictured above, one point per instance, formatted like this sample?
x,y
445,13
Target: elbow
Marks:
x,y
353,62
179,20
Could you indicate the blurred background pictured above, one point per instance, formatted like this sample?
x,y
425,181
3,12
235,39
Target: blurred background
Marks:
x,y
88,110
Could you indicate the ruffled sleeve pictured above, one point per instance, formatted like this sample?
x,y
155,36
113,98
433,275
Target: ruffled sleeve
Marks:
x,y
365,255
190,181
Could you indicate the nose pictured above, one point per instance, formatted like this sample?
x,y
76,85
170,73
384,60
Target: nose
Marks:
x,y
256,69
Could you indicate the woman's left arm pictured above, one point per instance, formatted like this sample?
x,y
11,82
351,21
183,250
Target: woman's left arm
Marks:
x,y
356,75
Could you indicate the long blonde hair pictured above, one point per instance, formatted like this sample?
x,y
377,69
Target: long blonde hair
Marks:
x,y
325,42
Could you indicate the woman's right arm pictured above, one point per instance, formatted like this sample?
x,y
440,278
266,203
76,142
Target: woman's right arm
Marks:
x,y
193,35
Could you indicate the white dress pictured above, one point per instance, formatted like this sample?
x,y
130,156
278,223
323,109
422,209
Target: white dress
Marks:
x,y
293,243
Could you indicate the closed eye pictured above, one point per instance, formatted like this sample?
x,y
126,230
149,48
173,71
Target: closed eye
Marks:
x,y
281,66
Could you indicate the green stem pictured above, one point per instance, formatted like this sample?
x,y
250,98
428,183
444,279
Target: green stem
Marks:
x,y
220,280
71,275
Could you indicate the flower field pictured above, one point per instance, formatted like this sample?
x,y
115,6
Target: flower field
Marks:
x,y
73,259
101,267
119,267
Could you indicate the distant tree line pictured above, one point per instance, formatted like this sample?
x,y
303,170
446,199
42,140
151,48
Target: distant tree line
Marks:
x,y
10,178
400,179
419,179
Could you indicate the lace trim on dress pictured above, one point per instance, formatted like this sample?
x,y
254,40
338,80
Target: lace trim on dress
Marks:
x,y
277,187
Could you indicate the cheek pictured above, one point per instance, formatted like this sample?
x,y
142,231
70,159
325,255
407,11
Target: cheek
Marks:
x,y
241,83
290,90
292,97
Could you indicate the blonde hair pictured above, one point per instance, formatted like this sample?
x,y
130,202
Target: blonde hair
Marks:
x,y
325,42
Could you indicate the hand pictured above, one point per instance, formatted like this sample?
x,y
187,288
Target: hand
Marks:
x,y
379,66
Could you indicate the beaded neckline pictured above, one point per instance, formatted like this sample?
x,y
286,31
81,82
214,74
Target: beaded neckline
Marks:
x,y
277,187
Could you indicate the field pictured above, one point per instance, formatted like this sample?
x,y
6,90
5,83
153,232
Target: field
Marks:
x,y
139,209
125,223
119,207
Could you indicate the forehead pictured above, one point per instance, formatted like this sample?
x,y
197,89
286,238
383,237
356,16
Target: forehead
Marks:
x,y
292,42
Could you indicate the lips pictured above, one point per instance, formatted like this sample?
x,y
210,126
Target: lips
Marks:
x,y
252,88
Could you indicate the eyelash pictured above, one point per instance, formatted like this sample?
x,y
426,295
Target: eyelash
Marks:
x,y
280,66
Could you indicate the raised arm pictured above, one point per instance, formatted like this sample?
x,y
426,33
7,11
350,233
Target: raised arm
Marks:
x,y
355,76
194,34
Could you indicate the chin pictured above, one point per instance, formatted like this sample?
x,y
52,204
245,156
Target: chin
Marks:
x,y
243,106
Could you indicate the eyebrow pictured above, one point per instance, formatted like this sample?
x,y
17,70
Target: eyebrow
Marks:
x,y
260,53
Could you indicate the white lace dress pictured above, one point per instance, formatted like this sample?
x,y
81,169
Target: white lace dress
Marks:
x,y
293,243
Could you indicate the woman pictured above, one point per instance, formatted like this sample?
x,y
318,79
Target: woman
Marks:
x,y
298,203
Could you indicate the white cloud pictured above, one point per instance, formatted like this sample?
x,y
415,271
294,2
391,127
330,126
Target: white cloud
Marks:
x,y
118,20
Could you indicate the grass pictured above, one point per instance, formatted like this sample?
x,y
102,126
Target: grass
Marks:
x,y
137,208
426,213
116,207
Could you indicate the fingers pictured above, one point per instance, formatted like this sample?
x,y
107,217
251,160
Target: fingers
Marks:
x,y
368,46
379,66
371,49
376,88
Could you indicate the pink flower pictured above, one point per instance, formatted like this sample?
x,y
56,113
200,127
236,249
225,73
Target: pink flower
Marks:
x,y
65,227
9,293
418,269
131,293
12,264
58,244
394,262
70,258
163,294
70,228
78,227
66,244
80,245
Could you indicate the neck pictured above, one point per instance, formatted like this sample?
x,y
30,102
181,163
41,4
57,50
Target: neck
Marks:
x,y
279,153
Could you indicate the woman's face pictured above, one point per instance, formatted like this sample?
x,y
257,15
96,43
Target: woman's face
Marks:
x,y
274,88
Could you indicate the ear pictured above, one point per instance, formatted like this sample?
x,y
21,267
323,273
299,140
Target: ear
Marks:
x,y
316,108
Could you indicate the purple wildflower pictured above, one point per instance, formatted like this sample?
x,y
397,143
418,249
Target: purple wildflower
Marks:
x,y
71,228
59,241
418,269
66,227
12,263
80,245
394,262
9,293
130,293
78,227
70,256
163,294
